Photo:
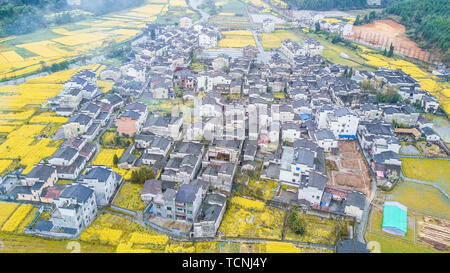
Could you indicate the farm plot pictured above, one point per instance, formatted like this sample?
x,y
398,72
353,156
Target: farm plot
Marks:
x,y
422,198
106,157
432,170
281,247
234,22
274,39
124,235
352,173
265,187
16,218
23,55
237,38
249,218
129,197
6,209
435,232
18,243
318,230
4,164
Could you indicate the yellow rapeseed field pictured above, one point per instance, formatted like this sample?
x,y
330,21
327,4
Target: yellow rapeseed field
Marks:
x,y
237,38
16,218
6,209
332,20
12,57
24,122
47,117
281,247
104,235
105,86
73,43
250,218
106,156
274,39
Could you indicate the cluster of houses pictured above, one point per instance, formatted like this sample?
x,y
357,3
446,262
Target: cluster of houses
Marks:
x,y
73,205
239,119
308,18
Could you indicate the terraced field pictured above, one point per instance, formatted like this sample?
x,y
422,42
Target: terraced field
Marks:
x,y
26,54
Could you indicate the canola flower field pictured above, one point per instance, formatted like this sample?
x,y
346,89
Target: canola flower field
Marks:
x,y
129,197
237,38
14,217
129,237
106,158
27,129
68,41
274,39
245,217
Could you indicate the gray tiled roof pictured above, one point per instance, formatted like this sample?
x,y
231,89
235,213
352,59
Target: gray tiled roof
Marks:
x,y
97,173
304,157
78,192
42,172
186,193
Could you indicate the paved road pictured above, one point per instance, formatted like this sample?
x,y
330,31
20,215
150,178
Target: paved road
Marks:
x,y
263,56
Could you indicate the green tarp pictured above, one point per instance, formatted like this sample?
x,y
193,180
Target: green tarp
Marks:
x,y
395,216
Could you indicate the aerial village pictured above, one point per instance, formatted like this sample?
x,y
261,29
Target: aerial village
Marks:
x,y
287,118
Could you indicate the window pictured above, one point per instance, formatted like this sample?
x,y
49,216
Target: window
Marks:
x,y
169,208
189,205
189,212
158,206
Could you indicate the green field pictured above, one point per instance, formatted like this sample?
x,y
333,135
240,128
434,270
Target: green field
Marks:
x,y
432,170
233,6
318,230
423,198
393,245
332,52
274,39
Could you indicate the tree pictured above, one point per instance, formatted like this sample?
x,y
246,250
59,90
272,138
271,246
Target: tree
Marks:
x,y
357,21
115,160
366,19
296,223
134,177
317,26
391,51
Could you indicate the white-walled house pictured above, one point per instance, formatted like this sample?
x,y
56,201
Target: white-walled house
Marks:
x,y
341,122
326,139
311,188
76,208
103,181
